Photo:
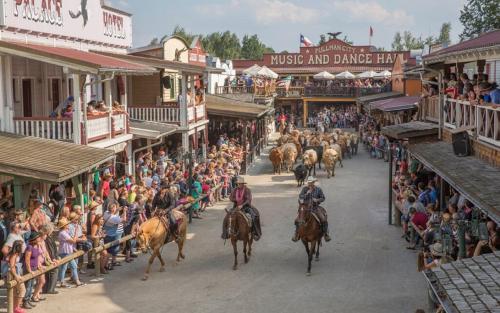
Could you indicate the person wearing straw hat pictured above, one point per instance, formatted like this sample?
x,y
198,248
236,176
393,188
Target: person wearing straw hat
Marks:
x,y
314,195
67,246
241,197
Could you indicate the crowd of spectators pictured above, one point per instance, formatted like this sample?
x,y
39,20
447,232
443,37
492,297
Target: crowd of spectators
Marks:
x,y
52,228
358,83
333,117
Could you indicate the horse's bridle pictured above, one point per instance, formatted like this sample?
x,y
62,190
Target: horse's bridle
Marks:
x,y
302,208
229,227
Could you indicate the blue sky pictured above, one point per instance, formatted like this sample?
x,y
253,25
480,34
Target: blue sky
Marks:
x,y
279,22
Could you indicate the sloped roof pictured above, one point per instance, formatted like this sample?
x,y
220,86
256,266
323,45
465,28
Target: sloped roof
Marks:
x,y
233,108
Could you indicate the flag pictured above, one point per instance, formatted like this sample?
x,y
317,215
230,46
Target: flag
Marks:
x,y
284,83
305,42
371,31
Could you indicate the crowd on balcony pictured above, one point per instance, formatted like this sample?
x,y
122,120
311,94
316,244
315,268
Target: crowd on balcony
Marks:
x,y
94,108
54,227
356,83
433,228
478,89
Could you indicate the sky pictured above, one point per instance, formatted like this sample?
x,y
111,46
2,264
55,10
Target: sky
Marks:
x,y
279,23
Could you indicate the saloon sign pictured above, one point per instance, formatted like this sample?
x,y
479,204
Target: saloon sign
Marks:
x,y
86,20
334,53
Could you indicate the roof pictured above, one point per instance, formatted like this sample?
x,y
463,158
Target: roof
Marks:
x,y
233,108
484,41
474,178
156,63
379,96
75,59
395,104
315,70
47,160
151,130
468,285
410,130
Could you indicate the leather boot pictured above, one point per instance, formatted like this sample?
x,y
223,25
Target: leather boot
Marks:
x,y
326,232
295,237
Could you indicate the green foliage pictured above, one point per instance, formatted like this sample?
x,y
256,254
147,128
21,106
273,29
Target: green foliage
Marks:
x,y
479,16
252,48
397,42
444,34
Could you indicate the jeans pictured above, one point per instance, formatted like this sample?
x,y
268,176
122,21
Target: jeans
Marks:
x,y
115,249
73,265
50,281
29,289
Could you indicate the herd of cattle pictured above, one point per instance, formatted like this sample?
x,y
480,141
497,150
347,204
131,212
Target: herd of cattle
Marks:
x,y
312,148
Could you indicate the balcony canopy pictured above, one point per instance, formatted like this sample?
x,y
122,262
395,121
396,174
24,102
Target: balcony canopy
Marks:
x,y
395,104
151,130
410,130
47,160
227,107
474,178
78,60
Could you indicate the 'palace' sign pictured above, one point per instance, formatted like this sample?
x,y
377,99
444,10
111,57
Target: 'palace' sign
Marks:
x,y
333,53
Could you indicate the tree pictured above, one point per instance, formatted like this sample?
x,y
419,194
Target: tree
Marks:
x,y
479,16
411,42
381,49
397,42
444,34
181,32
224,45
251,48
322,39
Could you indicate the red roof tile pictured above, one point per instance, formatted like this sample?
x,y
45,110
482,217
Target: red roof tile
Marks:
x,y
89,59
485,40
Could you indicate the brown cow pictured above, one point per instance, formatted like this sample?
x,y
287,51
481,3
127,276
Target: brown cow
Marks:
x,y
276,157
289,155
330,157
310,159
338,149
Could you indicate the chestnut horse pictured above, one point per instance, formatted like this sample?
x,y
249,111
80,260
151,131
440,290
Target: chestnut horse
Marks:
x,y
152,235
309,232
239,230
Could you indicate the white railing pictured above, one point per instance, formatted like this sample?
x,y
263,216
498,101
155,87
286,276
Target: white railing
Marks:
x,y
200,112
106,126
191,112
47,128
459,113
488,126
155,114
484,118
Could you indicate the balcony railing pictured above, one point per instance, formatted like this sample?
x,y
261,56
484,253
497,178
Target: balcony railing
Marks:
x,y
429,109
98,127
264,91
282,92
47,128
334,91
155,113
485,119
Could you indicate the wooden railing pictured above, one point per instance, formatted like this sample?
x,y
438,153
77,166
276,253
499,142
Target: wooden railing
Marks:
x,y
47,128
106,126
155,113
484,119
318,91
429,109
291,92
200,112
221,90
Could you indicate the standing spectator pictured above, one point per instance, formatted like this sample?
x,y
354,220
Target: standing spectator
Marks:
x,y
14,266
196,191
33,258
67,246
58,196
97,236
113,227
49,247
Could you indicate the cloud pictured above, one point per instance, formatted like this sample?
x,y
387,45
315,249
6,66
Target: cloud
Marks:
x,y
212,9
272,11
373,11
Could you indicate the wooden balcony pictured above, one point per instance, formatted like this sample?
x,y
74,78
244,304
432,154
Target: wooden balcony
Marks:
x,y
265,91
167,114
290,92
348,92
96,128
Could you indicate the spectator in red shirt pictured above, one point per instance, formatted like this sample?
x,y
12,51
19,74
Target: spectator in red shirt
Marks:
x,y
418,221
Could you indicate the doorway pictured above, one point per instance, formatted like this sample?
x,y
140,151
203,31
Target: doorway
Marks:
x,y
27,98
55,92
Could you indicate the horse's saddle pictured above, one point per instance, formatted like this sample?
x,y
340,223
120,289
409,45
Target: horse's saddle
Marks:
x,y
247,217
316,217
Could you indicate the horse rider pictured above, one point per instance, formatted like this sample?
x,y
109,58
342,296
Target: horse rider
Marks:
x,y
241,197
164,203
313,194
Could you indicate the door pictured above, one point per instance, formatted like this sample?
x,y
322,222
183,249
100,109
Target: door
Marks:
x,y
56,94
27,98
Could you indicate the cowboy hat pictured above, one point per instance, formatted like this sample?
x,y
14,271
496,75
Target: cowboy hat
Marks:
x,y
240,180
62,222
437,249
93,205
311,180
34,235
73,216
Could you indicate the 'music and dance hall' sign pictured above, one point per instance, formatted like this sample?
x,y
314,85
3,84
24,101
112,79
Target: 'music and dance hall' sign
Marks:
x,y
334,53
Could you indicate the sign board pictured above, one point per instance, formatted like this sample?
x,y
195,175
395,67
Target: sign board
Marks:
x,y
73,19
334,53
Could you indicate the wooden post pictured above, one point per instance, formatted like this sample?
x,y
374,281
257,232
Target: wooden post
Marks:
x,y
390,185
97,262
10,294
77,108
78,186
305,108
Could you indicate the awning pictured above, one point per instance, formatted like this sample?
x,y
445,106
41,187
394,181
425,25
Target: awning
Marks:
x,y
474,178
395,104
365,100
156,63
47,160
233,108
467,285
410,130
151,130
75,59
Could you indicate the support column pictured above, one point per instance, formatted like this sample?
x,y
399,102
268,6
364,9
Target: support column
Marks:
x,y
18,193
78,186
460,69
109,103
480,66
129,168
8,116
390,185
77,110
4,107
305,113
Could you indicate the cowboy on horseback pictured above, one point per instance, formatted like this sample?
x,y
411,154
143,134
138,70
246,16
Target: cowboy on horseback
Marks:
x,y
241,197
164,203
313,194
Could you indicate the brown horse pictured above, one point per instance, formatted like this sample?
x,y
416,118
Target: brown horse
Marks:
x,y
153,234
238,229
309,232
